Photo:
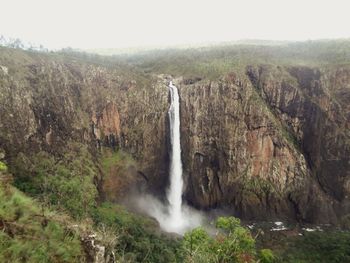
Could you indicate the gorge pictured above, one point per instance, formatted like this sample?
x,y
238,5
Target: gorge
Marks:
x,y
262,141
259,132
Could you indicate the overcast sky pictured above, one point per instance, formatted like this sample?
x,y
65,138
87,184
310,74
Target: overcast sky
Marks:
x,y
130,23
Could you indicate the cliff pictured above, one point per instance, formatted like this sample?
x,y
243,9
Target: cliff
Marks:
x,y
270,143
48,101
263,141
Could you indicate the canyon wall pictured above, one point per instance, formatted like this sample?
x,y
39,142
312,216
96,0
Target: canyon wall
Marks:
x,y
272,142
48,101
265,142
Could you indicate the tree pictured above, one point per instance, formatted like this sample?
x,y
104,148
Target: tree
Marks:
x,y
232,243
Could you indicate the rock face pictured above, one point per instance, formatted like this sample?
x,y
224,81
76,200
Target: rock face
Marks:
x,y
314,105
266,142
46,102
271,143
106,126
95,252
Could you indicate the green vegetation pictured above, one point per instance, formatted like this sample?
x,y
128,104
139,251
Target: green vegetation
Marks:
x,y
29,235
66,183
210,62
111,158
259,186
119,171
266,256
232,243
327,246
214,62
3,167
322,247
33,233
138,239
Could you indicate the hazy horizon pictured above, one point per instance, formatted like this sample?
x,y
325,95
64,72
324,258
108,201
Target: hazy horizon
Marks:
x,y
162,23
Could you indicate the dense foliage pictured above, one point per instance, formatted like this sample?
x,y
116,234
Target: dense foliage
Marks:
x,y
30,234
138,238
129,237
231,243
3,167
64,183
216,61
67,184
322,247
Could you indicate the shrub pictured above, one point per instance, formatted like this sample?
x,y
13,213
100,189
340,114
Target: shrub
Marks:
x,y
232,243
138,240
266,256
198,246
67,183
3,167
328,246
28,236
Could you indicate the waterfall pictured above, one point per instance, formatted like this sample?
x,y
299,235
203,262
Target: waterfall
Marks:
x,y
176,183
174,216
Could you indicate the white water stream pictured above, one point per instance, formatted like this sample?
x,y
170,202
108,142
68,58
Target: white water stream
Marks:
x,y
174,196
175,216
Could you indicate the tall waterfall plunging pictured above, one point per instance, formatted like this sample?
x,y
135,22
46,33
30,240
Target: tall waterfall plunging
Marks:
x,y
174,216
176,183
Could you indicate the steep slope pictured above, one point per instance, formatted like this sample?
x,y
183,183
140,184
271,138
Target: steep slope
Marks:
x,y
313,103
271,143
31,233
50,100
262,140
239,155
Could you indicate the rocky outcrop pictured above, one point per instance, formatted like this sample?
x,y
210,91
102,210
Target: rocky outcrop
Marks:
x,y
271,143
47,101
313,104
95,251
237,155
106,126
265,142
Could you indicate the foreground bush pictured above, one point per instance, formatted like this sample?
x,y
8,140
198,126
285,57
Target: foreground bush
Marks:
x,y
66,183
138,238
231,243
321,247
266,256
27,235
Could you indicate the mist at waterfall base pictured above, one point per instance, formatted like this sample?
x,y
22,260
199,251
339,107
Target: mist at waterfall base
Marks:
x,y
190,218
174,216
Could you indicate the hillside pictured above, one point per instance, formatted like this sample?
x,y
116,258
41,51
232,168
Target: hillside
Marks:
x,y
265,133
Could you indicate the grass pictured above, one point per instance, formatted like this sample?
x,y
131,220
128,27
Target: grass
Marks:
x,y
28,235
